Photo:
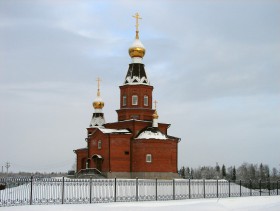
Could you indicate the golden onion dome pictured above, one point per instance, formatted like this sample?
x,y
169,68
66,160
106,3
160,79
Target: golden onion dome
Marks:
x,y
98,103
155,115
137,49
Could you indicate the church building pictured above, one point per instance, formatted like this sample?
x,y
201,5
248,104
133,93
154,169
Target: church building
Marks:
x,y
136,145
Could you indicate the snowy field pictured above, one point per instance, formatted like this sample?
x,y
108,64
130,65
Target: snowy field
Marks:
x,y
256,203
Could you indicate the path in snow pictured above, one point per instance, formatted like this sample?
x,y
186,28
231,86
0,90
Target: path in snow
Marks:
x,y
257,203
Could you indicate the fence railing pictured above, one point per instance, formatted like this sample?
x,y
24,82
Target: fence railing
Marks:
x,y
32,190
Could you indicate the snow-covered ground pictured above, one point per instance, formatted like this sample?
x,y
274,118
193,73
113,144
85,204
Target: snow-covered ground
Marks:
x,y
75,191
76,194
256,203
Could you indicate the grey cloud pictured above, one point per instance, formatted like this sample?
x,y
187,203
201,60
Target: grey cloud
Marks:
x,y
214,67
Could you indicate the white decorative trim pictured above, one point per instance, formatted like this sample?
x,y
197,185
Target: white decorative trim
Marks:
x,y
137,80
97,122
155,123
134,99
136,60
148,158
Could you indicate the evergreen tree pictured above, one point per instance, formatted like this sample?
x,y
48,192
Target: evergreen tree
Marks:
x,y
191,173
188,171
266,171
261,172
233,177
224,173
218,171
183,172
217,168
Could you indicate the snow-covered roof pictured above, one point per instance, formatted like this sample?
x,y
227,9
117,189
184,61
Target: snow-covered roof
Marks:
x,y
96,155
79,149
97,120
106,130
152,133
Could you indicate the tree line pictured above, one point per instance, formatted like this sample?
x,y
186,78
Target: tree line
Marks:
x,y
245,171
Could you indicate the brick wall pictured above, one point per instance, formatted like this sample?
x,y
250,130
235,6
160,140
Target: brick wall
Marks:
x,y
120,153
164,155
81,159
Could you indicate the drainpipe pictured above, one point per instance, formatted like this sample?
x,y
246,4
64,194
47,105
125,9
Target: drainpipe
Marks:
x,y
87,162
177,156
131,148
109,152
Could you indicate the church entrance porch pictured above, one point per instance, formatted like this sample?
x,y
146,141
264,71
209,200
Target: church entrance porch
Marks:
x,y
98,160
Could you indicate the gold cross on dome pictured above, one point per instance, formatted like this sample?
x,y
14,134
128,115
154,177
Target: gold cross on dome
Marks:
x,y
98,86
137,17
155,102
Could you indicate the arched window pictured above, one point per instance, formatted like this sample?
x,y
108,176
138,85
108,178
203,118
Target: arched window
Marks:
x,y
124,100
148,158
146,100
99,145
134,100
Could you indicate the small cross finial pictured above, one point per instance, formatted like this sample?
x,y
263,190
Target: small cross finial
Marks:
x,y
98,86
155,102
137,17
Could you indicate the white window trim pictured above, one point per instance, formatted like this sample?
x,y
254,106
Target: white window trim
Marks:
x,y
99,144
148,158
136,97
124,100
146,97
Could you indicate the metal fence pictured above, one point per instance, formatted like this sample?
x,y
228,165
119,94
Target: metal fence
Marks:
x,y
32,190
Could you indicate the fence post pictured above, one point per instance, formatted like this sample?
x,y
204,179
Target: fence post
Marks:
x,y
240,188
277,186
251,187
229,188
115,199
189,188
90,189
217,188
268,186
260,184
204,188
156,189
173,189
136,188
31,189
62,192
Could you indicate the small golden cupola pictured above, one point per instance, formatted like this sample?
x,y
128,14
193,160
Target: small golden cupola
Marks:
x,y
98,119
98,102
155,115
137,49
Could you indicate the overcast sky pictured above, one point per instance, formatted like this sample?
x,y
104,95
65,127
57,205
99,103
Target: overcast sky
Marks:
x,y
214,65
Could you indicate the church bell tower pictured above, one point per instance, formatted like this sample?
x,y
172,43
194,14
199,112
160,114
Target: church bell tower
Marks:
x,y
136,94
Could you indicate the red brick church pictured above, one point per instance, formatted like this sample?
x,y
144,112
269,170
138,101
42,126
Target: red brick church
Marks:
x,y
137,145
